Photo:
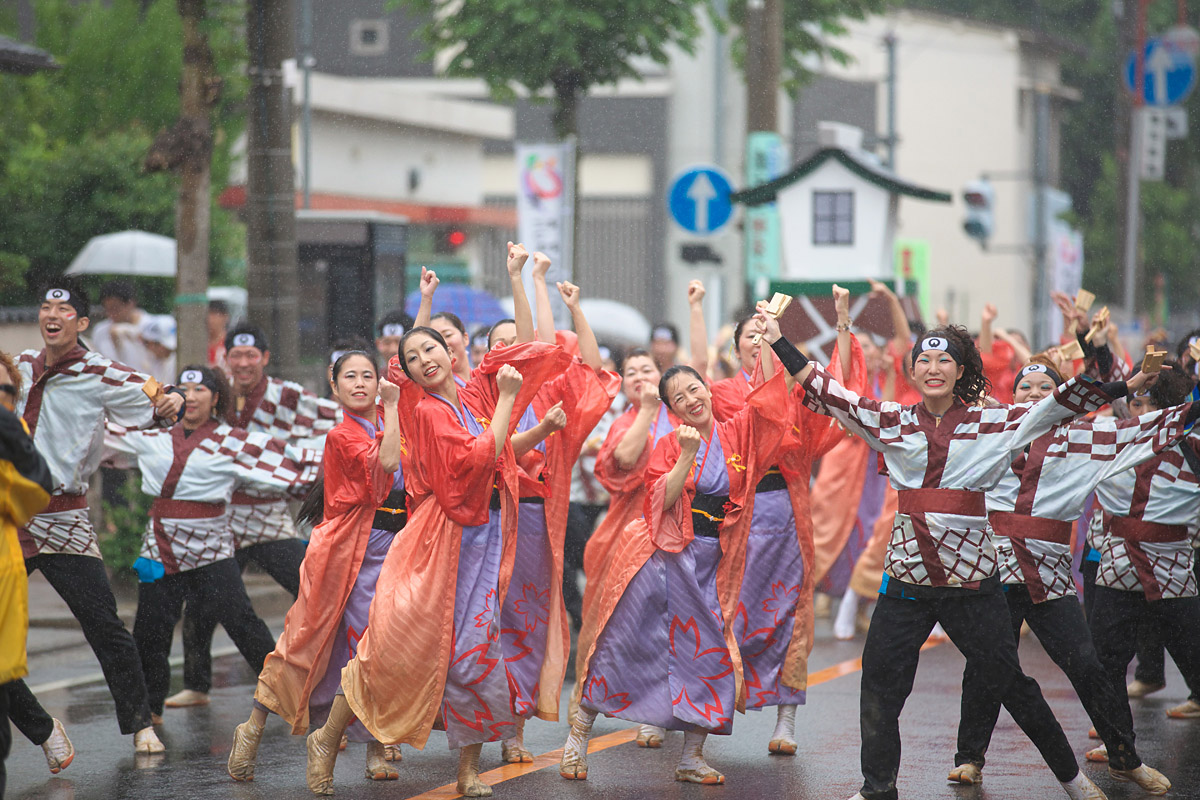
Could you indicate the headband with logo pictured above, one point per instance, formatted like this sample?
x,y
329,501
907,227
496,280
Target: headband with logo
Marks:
x,y
1036,369
335,355
392,329
64,296
198,376
939,343
246,340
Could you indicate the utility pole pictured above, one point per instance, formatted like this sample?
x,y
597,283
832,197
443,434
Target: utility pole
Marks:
x,y
270,186
307,62
889,42
1041,233
1133,194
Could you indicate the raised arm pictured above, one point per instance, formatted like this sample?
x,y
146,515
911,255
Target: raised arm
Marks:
x,y
429,284
841,302
589,348
635,439
697,330
900,333
517,256
985,327
541,298
508,382
689,443
554,420
392,443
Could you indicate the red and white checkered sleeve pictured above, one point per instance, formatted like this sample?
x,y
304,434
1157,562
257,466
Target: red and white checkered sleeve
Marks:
x,y
1078,396
877,423
124,401
313,416
263,464
1125,443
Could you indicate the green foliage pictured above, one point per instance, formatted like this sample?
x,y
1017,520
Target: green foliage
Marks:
x,y
540,44
808,27
1093,59
125,522
537,44
72,142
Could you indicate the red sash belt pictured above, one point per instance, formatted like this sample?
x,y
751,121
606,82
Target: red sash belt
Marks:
x,y
243,499
185,509
916,503
963,502
66,502
1020,526
1141,531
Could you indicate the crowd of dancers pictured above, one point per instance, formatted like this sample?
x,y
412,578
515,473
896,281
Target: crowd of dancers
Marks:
x,y
741,490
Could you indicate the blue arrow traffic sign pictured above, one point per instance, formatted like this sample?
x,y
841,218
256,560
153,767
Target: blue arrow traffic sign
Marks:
x,y
1168,75
698,200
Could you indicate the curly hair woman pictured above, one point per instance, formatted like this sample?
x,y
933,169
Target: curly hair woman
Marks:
x,y
942,454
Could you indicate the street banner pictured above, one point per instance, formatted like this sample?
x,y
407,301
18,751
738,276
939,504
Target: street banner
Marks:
x,y
546,214
766,160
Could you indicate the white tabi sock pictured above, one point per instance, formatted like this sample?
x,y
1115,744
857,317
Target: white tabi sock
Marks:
x,y
843,625
1081,788
785,723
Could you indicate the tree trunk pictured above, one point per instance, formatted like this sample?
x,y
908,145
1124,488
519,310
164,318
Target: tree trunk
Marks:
x,y
193,145
272,279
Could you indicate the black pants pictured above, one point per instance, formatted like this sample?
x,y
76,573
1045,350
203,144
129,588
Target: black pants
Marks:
x,y
1063,632
1151,655
581,521
1116,613
978,624
216,590
83,585
281,560
1088,570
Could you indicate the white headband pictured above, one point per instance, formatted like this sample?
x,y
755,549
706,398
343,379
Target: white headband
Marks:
x,y
393,329
58,295
243,340
662,334
191,376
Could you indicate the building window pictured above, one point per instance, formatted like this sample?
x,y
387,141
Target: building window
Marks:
x,y
368,37
833,218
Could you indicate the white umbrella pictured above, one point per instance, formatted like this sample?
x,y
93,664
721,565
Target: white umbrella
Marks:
x,y
612,321
126,253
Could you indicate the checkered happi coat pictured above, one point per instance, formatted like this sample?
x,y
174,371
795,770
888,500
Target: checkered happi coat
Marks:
x,y
283,410
969,450
1054,479
1163,490
223,459
68,415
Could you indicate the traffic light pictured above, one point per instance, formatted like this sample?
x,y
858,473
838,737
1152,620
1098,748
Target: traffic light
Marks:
x,y
447,240
981,200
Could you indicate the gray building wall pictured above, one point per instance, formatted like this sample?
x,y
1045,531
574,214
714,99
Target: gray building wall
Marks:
x,y
827,99
336,23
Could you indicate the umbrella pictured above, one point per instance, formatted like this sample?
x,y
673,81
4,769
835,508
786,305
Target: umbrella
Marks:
x,y
126,253
474,307
22,59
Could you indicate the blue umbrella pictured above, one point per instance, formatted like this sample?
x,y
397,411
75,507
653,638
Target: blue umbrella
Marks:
x,y
474,307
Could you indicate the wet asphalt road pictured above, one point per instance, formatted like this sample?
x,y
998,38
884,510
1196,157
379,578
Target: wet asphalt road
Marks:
x,y
826,765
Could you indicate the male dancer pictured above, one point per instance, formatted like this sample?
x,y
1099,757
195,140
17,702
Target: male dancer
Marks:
x,y
68,393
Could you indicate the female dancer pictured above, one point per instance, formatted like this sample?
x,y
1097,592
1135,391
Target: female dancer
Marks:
x,y
192,470
569,406
774,623
362,508
941,455
1032,511
621,470
420,659
665,653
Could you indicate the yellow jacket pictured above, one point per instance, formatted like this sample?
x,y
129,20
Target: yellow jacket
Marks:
x,y
20,499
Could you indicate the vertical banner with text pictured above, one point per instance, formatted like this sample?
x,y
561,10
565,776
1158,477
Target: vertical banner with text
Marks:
x,y
546,214
766,160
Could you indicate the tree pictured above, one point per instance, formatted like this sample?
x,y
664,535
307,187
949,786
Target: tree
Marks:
x,y
186,149
72,143
563,47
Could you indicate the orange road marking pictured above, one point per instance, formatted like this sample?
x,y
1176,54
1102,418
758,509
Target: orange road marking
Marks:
x,y
552,758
